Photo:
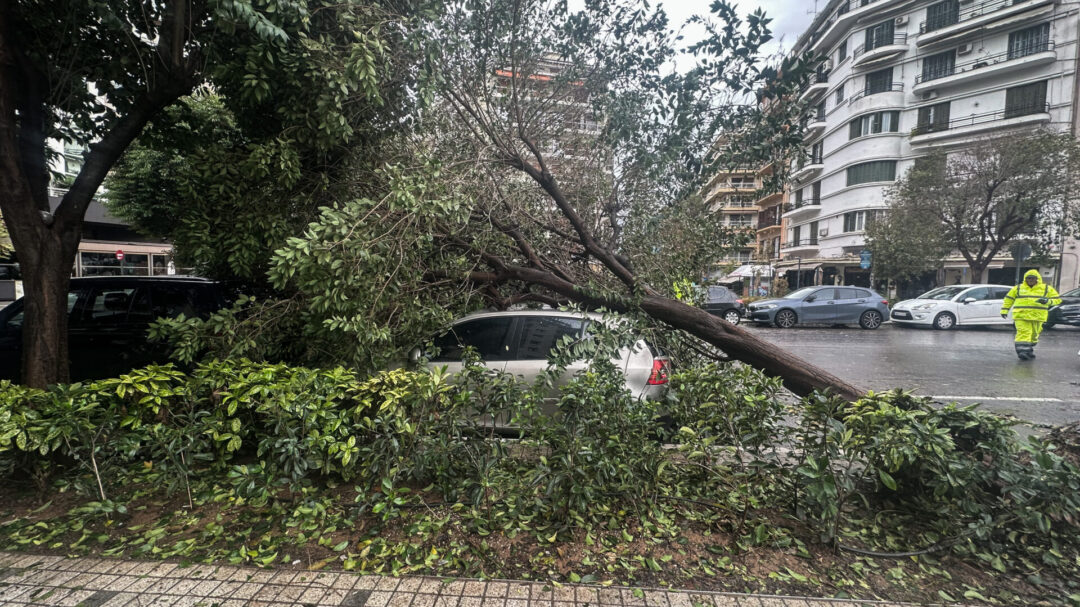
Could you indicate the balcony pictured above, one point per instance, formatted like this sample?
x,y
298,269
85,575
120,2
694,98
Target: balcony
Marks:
x,y
979,123
769,218
808,167
881,51
819,83
803,243
895,87
801,207
978,18
815,124
841,22
988,66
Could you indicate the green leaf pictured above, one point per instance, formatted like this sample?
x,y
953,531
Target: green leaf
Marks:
x,y
887,479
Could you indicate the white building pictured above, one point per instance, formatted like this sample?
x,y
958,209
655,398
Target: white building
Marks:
x,y
903,76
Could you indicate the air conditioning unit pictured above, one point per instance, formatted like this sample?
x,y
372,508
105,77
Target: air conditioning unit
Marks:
x,y
826,65
901,20
965,48
823,232
928,95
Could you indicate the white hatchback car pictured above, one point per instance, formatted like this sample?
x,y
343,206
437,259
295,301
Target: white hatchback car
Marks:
x,y
519,343
958,305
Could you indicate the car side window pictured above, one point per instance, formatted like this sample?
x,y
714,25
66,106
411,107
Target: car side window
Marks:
x,y
979,294
112,305
847,293
15,322
999,292
490,337
540,334
824,295
170,301
863,294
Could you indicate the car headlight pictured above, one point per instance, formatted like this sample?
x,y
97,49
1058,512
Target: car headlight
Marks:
x,y
767,307
926,306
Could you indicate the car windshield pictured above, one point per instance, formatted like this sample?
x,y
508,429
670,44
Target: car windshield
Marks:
x,y
801,293
1073,293
943,293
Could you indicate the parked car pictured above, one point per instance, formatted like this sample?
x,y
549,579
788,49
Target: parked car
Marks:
x,y
1067,312
519,342
723,302
822,305
108,318
945,308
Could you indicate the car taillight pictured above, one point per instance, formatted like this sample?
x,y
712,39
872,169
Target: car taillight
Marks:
x,y
886,302
738,301
660,369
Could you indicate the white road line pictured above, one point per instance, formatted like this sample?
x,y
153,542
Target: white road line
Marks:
x,y
1000,398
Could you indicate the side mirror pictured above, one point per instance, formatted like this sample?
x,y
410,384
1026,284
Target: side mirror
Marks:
x,y
968,300
810,299
414,355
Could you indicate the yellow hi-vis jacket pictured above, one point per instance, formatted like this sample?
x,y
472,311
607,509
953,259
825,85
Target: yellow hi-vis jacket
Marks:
x,y
1024,300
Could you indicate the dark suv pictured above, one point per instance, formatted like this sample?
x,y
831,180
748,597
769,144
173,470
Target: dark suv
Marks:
x,y
108,318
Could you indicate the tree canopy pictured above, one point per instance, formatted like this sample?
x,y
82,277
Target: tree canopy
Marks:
x,y
977,201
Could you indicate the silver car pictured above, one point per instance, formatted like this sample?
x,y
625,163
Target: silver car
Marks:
x,y
520,342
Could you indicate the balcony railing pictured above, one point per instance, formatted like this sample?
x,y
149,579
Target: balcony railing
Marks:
x,y
740,224
769,222
981,62
1007,113
806,202
976,10
803,242
892,88
812,159
897,38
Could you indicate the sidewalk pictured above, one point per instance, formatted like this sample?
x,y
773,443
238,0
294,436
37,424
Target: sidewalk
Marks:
x,y
92,582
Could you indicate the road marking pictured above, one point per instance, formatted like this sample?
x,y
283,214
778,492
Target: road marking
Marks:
x,y
1000,398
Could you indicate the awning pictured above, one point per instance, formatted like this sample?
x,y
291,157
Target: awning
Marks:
x,y
750,271
794,266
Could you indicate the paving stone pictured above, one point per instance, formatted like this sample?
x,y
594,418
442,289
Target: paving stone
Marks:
x,y
162,570
409,584
474,589
769,602
423,600
496,589
453,588
378,598
517,591
610,596
333,597
679,599
283,577
444,600
430,585
98,599
517,603
566,593
656,598
586,595
11,592
386,584
246,590
311,595
323,579
357,598
747,601
122,599
725,601
469,601
73,598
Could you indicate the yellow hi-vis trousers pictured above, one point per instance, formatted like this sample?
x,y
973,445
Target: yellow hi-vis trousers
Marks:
x,y
1027,335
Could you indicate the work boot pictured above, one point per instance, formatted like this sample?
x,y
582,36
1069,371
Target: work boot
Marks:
x,y
1023,351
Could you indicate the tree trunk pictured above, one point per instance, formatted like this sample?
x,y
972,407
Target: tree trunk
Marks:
x,y
978,269
799,376
46,269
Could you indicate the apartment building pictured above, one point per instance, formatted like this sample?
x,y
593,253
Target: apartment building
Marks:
x,y
905,76
734,194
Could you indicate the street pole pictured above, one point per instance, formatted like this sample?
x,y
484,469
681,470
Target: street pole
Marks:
x,y
798,274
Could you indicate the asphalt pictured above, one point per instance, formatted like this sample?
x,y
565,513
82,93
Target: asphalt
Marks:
x,y
27,579
968,365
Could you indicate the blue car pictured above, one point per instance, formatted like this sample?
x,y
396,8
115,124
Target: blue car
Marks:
x,y
822,306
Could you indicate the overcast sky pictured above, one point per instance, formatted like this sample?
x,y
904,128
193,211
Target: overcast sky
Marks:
x,y
789,17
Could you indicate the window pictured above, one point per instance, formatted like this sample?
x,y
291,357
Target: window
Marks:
x,y
1024,100
796,235
106,264
979,294
540,335
879,81
840,93
939,66
878,122
870,172
942,14
933,118
813,232
1029,41
799,196
171,301
490,337
855,221
879,35
14,323
849,293
841,52
825,294
115,305
815,192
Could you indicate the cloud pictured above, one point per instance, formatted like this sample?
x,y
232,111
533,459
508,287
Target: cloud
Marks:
x,y
789,17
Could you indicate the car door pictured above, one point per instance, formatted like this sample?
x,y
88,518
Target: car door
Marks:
x,y
997,299
107,335
491,337
849,305
975,306
537,337
819,307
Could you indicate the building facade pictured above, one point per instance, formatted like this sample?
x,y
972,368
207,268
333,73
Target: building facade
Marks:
x,y
902,77
734,194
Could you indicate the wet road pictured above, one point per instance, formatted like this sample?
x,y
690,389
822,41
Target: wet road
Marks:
x,y
964,365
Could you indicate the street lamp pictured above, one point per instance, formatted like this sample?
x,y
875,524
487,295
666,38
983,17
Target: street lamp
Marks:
x,y
798,274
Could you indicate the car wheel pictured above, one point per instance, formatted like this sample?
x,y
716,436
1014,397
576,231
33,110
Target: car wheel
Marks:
x,y
785,319
732,316
1049,325
870,319
944,321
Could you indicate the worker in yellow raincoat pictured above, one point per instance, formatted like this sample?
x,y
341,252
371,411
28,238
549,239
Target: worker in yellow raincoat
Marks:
x,y
1030,302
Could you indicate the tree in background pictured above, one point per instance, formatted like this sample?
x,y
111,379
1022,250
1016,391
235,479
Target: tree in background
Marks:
x,y
307,72
978,201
